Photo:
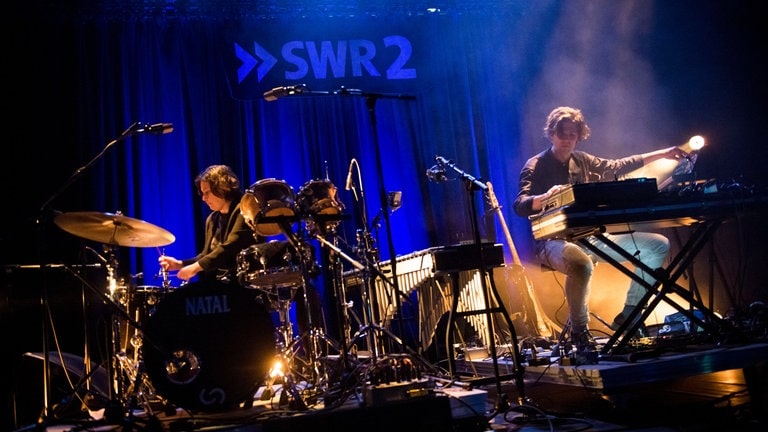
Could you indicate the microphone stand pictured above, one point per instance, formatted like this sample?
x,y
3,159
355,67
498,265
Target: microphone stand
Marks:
x,y
42,219
369,329
370,103
472,184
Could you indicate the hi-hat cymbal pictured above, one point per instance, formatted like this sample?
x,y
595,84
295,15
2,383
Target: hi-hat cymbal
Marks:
x,y
114,229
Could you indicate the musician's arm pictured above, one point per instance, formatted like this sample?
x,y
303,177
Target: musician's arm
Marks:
x,y
665,153
528,202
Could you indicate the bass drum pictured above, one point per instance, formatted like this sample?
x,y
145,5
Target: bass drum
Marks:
x,y
209,346
267,198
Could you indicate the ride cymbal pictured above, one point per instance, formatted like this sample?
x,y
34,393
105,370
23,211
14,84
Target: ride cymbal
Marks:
x,y
114,229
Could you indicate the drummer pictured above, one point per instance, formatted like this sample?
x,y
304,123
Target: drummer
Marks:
x,y
226,233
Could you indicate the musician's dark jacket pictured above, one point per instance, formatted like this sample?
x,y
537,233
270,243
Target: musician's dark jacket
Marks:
x,y
218,258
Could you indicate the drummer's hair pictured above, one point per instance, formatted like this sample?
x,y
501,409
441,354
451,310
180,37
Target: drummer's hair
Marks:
x,y
224,182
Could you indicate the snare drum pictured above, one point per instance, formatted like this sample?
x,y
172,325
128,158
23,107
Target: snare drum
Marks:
x,y
267,198
317,201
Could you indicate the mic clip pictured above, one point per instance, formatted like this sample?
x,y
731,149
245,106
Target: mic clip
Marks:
x,y
437,174
278,92
157,128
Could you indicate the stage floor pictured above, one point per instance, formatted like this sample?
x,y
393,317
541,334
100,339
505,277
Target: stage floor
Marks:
x,y
641,367
695,388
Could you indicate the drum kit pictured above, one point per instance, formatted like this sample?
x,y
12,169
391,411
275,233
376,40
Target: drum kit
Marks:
x,y
206,346
279,268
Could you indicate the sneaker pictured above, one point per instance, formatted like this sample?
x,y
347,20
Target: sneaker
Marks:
x,y
620,319
585,348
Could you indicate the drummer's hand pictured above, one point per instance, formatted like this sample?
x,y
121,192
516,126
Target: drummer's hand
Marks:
x,y
188,272
169,263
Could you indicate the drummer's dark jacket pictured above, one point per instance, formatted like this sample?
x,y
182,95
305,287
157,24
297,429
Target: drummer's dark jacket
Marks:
x,y
219,258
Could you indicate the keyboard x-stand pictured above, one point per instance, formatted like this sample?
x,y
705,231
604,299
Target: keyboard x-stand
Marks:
x,y
704,214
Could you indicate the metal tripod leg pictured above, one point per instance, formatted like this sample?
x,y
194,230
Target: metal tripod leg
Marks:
x,y
299,359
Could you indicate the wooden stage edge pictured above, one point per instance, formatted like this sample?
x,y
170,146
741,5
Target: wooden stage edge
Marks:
x,y
611,376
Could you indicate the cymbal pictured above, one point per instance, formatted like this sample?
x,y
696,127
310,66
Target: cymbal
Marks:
x,y
114,229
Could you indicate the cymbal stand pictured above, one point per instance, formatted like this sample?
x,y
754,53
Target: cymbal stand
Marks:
x,y
139,389
115,407
126,375
43,215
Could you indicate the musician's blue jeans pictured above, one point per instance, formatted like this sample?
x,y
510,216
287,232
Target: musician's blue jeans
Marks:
x,y
578,263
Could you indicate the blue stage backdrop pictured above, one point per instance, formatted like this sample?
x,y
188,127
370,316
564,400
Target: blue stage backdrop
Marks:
x,y
389,86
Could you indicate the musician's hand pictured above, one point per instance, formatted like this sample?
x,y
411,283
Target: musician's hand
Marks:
x,y
553,190
188,272
169,263
538,200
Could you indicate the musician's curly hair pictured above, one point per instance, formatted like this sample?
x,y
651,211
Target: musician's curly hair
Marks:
x,y
555,119
224,182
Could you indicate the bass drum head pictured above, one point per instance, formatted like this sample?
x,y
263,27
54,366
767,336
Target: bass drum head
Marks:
x,y
209,346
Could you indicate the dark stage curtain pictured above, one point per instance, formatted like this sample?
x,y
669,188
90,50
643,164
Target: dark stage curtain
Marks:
x,y
118,70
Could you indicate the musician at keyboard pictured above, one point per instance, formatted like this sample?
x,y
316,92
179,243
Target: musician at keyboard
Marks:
x,y
546,174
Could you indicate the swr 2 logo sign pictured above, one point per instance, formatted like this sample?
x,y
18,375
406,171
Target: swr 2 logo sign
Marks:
x,y
313,60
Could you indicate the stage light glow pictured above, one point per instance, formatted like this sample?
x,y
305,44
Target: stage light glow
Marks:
x,y
277,370
696,143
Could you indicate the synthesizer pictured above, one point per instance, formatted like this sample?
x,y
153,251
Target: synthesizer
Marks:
x,y
598,194
574,222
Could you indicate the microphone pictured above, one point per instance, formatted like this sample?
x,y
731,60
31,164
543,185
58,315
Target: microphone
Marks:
x,y
349,175
437,173
157,128
278,92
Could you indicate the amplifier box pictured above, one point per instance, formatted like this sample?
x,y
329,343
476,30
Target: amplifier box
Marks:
x,y
466,403
463,257
378,394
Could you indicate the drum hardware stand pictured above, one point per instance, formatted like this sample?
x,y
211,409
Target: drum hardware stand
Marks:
x,y
289,346
370,103
131,382
489,287
116,407
370,329
44,300
367,251
367,317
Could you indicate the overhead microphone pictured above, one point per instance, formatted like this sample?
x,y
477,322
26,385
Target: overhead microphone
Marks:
x,y
157,128
278,92
349,175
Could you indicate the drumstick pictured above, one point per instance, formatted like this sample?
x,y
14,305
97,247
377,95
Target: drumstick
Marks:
x,y
163,271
